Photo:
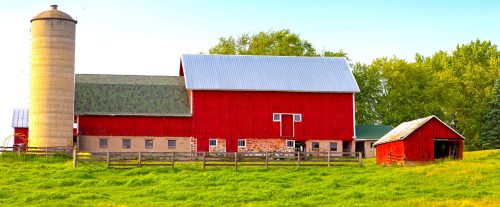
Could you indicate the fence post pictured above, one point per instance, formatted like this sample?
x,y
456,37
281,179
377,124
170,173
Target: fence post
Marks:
x,y
139,160
204,159
298,159
173,159
46,152
19,150
267,160
235,160
360,159
107,160
329,156
75,154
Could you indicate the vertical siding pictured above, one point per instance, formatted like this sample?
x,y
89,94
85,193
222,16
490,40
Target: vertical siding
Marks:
x,y
243,114
135,126
17,139
390,152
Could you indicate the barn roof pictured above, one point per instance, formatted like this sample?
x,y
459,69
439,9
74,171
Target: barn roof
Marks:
x,y
406,128
20,118
372,132
268,73
130,95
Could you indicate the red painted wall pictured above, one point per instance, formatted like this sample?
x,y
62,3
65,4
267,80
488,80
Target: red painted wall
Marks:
x,y
135,126
17,136
419,145
390,152
249,114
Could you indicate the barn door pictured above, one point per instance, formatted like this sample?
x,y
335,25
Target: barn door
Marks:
x,y
287,125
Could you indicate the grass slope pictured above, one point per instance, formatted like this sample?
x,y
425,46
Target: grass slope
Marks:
x,y
474,181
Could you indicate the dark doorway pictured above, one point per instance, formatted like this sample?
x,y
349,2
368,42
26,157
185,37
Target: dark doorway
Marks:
x,y
360,147
443,149
300,146
346,147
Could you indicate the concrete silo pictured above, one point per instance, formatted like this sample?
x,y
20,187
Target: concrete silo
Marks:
x,y
52,84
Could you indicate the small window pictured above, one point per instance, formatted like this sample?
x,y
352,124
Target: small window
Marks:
x,y
315,145
290,143
242,143
126,143
212,142
333,146
103,143
148,143
371,145
297,117
276,117
172,144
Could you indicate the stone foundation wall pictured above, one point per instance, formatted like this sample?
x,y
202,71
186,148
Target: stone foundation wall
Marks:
x,y
221,146
194,144
265,145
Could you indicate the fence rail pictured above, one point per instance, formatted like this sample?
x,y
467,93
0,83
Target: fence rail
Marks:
x,y
36,150
236,159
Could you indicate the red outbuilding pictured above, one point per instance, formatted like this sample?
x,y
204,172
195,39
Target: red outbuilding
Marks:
x,y
420,140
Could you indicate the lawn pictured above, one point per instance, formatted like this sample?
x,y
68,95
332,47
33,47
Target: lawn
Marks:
x,y
474,181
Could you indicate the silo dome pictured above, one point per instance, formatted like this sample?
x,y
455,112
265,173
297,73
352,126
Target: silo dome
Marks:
x,y
52,81
53,13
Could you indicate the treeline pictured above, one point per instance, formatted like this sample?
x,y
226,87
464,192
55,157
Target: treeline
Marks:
x,y
458,87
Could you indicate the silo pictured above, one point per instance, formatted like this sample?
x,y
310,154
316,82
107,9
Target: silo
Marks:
x,y
52,84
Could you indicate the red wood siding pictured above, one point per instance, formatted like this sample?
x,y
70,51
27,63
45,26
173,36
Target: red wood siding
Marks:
x,y
135,126
18,132
390,152
419,145
248,114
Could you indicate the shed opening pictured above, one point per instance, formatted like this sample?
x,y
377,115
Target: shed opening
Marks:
x,y
445,148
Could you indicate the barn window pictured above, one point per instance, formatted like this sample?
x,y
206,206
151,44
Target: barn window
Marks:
x,y
276,117
315,145
242,143
148,143
103,143
212,142
290,143
126,143
297,117
371,145
172,144
333,146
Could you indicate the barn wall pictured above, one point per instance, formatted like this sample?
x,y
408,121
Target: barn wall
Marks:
x,y
91,125
390,152
91,143
233,115
18,135
419,146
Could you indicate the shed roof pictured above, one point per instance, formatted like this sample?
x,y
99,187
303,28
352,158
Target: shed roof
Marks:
x,y
372,132
130,95
406,128
20,118
268,73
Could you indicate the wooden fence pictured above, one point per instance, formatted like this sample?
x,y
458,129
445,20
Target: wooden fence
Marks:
x,y
36,150
236,159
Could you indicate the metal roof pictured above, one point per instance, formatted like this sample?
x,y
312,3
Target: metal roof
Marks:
x,y
268,73
372,132
406,128
20,118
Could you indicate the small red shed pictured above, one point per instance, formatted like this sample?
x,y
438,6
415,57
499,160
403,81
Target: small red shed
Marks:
x,y
420,140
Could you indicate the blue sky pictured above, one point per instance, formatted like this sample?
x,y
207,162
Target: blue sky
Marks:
x,y
147,37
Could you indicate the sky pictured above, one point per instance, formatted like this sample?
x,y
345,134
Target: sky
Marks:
x,y
147,37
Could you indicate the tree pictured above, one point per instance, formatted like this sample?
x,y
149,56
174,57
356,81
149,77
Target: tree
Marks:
x,y
490,136
279,43
369,82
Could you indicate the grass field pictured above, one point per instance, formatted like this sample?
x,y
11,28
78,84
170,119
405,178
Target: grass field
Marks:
x,y
474,181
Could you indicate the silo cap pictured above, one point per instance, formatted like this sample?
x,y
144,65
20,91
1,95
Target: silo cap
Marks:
x,y
53,13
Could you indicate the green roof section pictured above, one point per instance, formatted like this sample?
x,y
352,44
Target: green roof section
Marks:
x,y
131,95
373,132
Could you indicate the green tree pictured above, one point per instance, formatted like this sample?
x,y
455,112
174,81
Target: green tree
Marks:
x,y
490,136
369,82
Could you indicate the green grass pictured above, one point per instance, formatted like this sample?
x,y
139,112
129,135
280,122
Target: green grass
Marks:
x,y
40,181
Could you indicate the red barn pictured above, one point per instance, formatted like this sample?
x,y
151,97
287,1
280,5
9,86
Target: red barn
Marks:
x,y
221,103
424,139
